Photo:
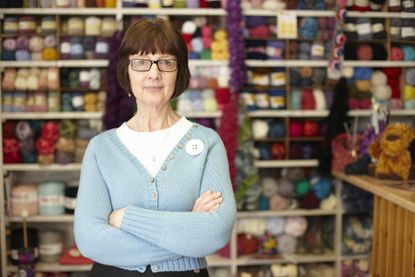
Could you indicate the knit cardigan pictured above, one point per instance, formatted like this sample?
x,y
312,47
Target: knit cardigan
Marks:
x,y
158,228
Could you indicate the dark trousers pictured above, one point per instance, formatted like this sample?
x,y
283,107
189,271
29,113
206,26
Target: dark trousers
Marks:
x,y
100,270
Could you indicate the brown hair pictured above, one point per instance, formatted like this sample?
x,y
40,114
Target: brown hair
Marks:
x,y
151,36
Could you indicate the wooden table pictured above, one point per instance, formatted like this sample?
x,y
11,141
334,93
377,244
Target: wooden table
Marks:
x,y
393,249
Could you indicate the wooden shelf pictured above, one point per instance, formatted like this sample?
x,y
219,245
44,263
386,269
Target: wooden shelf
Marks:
x,y
56,63
54,267
329,256
38,167
363,113
296,212
174,11
194,62
381,14
355,257
216,114
301,13
285,163
287,63
289,113
51,115
60,11
45,218
379,63
217,261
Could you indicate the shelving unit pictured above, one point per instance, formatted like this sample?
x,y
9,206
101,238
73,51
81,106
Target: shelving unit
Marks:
x,y
233,261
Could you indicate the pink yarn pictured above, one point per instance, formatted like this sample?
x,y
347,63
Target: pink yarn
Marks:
x,y
365,104
353,103
24,199
296,226
296,129
364,52
259,32
278,203
396,54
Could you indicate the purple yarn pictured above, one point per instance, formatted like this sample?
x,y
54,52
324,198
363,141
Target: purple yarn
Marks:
x,y
236,45
119,107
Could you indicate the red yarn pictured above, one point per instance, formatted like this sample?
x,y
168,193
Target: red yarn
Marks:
x,y
307,100
11,152
296,129
9,128
364,52
310,201
310,128
396,54
278,151
50,131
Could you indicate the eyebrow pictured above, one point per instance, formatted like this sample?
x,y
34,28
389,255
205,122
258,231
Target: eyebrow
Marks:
x,y
167,56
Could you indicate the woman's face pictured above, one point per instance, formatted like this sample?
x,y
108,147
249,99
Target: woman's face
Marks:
x,y
152,87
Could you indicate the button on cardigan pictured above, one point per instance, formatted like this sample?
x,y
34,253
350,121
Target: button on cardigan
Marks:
x,y
158,227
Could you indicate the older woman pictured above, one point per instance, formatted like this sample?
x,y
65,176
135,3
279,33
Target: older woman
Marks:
x,y
155,194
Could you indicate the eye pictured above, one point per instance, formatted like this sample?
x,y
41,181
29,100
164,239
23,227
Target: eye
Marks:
x,y
140,62
167,63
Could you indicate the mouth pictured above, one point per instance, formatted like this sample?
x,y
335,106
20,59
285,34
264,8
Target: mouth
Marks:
x,y
153,88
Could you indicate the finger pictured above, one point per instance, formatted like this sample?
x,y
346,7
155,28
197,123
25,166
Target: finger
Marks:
x,y
212,203
214,208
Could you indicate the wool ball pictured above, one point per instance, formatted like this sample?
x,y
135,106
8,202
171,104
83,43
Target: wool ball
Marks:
x,y
287,244
296,226
254,227
269,186
189,27
378,78
329,203
276,225
382,92
293,174
260,129
285,188
321,187
302,187
278,203
309,201
410,76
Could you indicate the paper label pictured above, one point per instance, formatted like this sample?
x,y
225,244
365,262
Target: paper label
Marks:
x,y
378,27
287,25
317,50
407,32
24,197
50,249
364,29
51,200
70,203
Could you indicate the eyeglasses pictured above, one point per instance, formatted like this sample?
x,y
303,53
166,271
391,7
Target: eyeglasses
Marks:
x,y
164,65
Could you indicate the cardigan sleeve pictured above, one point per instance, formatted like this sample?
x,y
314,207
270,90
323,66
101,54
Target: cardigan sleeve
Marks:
x,y
95,238
193,234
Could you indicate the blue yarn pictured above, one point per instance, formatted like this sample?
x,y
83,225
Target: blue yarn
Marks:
x,y
322,188
410,77
309,27
305,47
8,55
276,129
77,49
307,151
319,5
295,102
263,203
265,151
194,55
408,53
362,73
23,55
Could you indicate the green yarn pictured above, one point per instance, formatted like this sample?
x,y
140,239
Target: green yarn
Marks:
x,y
302,187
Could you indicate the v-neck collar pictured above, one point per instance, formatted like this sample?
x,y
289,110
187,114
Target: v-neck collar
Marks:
x,y
186,137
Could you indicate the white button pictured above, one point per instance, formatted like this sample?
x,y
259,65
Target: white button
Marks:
x,y
155,268
152,180
154,195
196,270
194,147
171,156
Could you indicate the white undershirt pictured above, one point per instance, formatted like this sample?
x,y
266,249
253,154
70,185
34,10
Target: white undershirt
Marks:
x,y
145,145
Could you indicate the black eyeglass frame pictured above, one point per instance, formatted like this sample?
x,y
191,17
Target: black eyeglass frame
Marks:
x,y
154,62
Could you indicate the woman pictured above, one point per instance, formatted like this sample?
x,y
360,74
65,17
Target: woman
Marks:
x,y
155,194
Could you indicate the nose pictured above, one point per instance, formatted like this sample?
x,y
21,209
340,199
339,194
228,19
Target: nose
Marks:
x,y
154,71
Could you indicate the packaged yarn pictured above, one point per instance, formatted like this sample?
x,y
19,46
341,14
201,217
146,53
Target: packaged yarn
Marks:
x,y
24,200
51,198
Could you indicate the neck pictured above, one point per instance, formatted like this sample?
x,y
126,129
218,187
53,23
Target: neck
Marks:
x,y
153,119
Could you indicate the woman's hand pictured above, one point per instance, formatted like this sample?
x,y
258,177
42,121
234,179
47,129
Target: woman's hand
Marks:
x,y
207,202
115,217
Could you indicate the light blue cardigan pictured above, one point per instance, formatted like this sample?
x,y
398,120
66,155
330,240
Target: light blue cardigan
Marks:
x,y
158,227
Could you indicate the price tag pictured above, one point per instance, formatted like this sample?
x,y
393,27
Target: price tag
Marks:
x,y
287,25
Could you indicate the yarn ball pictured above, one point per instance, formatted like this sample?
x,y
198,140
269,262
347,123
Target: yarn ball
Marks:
x,y
296,226
321,187
410,76
309,201
254,227
276,225
285,187
287,244
278,203
329,203
302,187
246,244
296,129
269,186
260,128
293,174
378,78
